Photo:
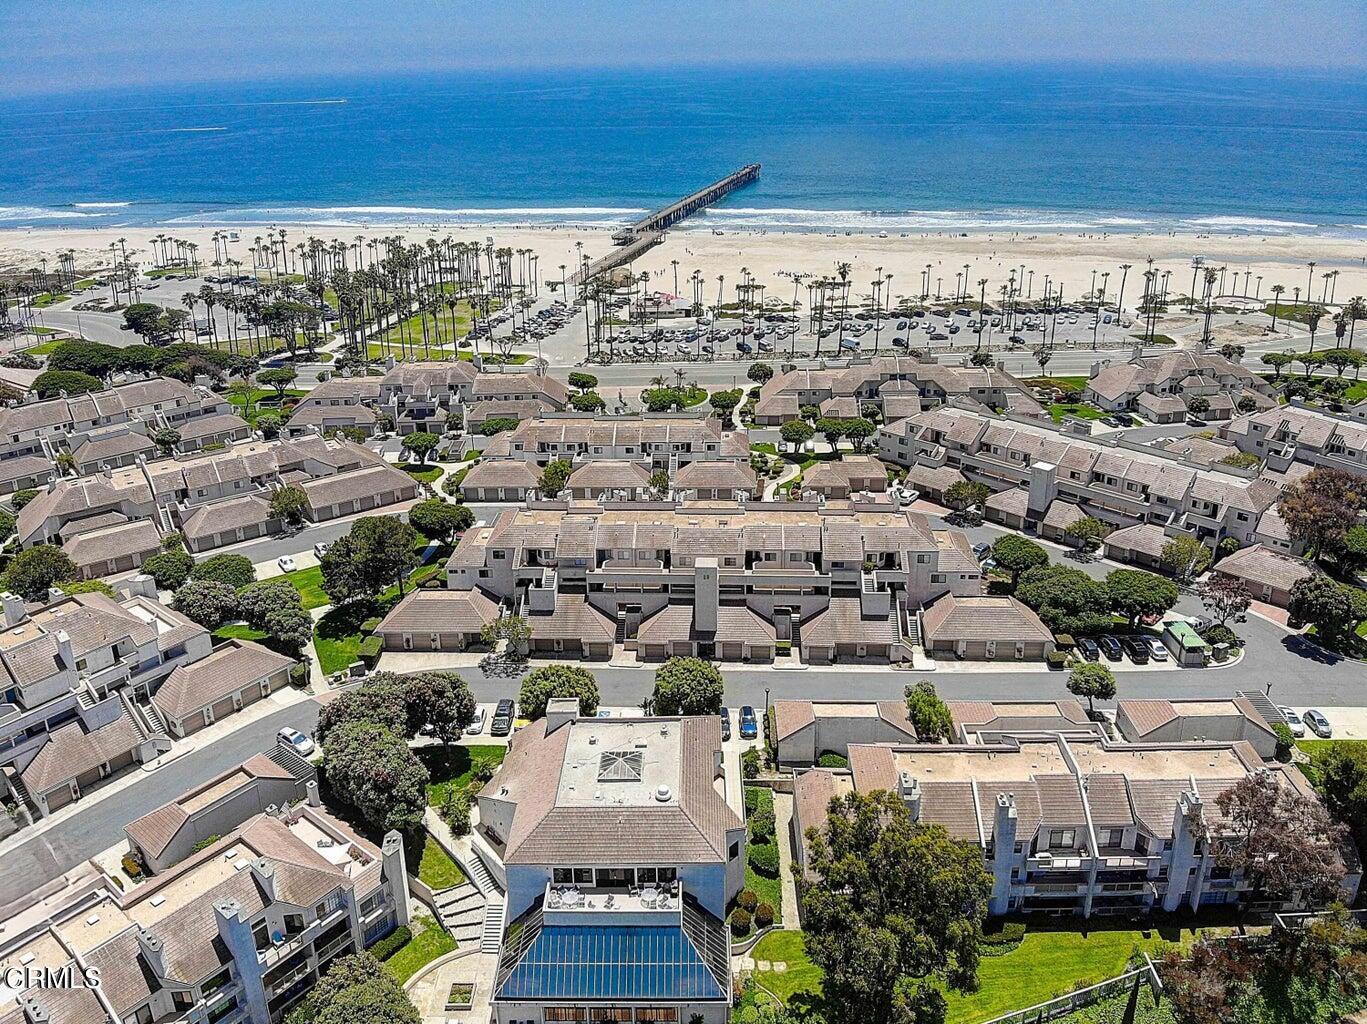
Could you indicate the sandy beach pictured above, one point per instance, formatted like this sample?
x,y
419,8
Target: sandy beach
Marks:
x,y
772,258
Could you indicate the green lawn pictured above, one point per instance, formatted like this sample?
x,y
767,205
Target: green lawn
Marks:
x,y
1059,410
767,447
769,890
240,631
1046,964
455,771
337,637
49,298
261,401
421,471
378,352
1293,311
421,950
438,870
309,583
45,348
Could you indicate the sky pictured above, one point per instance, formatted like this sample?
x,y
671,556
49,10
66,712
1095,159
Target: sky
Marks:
x,y
57,46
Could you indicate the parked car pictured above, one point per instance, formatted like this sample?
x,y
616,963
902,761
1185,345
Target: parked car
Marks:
x,y
749,727
502,724
1137,647
981,550
286,563
296,741
476,725
725,724
1110,647
1089,648
1319,725
1156,649
1293,721
321,549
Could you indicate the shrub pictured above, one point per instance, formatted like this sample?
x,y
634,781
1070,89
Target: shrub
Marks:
x,y
455,811
832,761
234,570
751,800
1220,634
1285,742
747,900
22,497
764,915
391,943
764,859
169,570
740,922
762,825
1056,659
371,647
749,763
483,767
1004,939
370,625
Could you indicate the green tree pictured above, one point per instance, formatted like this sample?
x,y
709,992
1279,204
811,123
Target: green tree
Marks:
x,y
1086,532
1185,557
1067,600
1198,405
540,685
858,431
356,990
289,503
1322,506
687,686
211,603
929,715
166,439
725,401
1018,555
381,699
831,429
582,381
1320,600
1092,680
760,373
1278,361
36,569
54,383
7,523
441,701
279,378
147,320
512,628
589,401
371,768
496,425
555,476
234,570
268,423
86,357
376,552
659,482
440,520
22,497
169,570
1137,595
421,443
796,433
894,914
963,495
276,607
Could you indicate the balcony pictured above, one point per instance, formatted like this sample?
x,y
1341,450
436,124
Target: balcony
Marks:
x,y
567,904
289,944
1059,860
1055,888
327,952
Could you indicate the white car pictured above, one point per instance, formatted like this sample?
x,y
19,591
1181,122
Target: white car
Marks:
x,y
1156,649
286,563
321,549
476,725
1293,721
296,741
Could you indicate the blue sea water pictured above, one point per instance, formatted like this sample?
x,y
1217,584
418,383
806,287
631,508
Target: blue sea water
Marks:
x,y
901,149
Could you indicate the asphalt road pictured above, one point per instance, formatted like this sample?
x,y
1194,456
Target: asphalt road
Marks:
x,y
98,826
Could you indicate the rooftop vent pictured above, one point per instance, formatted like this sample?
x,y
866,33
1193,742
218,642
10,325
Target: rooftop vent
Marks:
x,y
157,901
663,794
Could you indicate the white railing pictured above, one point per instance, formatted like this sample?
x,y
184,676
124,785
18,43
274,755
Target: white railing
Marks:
x,y
1085,996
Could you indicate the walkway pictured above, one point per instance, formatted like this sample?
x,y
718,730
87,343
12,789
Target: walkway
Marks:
x,y
783,817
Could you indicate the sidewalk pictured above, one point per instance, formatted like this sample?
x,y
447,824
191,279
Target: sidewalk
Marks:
x,y
277,701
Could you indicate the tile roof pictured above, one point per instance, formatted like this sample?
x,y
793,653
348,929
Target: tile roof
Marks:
x,y
440,611
226,516
501,473
735,623
843,622
573,619
373,481
609,473
113,542
716,474
1262,566
231,668
72,750
974,619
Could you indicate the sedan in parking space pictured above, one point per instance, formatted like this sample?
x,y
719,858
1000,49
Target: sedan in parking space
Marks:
x,y
749,727
1319,725
1293,721
476,725
286,563
1156,649
296,741
1110,647
1089,648
725,724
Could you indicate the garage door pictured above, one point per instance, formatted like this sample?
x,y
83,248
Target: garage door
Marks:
x,y
223,708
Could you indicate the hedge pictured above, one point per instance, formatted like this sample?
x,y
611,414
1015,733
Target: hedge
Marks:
x,y
764,859
392,943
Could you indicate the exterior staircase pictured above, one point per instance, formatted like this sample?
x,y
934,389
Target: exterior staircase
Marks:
x,y
85,700
155,722
291,762
462,912
164,517
913,635
795,630
479,874
491,937
621,636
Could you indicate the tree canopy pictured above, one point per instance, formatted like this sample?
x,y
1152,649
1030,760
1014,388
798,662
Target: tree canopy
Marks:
x,y
1137,595
541,684
54,383
1185,557
36,569
371,767
1092,680
356,989
1017,555
289,503
929,714
235,570
1067,600
796,432
440,520
211,603
376,552
421,443
1321,507
894,914
687,686
555,476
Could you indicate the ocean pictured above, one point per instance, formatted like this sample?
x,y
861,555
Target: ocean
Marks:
x,y
898,149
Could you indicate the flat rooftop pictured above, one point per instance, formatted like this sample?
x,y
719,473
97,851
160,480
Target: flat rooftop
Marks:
x,y
94,926
988,764
1212,708
845,709
1208,761
621,762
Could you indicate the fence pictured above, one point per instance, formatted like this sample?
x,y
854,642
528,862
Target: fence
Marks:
x,y
1084,997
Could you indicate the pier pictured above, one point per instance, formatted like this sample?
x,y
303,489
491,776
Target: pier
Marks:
x,y
649,230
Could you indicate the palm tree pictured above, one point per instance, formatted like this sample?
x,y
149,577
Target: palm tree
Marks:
x,y
1276,303
1355,310
842,271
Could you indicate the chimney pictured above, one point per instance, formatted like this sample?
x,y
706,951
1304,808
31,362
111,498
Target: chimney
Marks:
x,y
396,875
54,594
152,950
13,606
911,792
264,871
311,794
105,471
34,1011
706,594
560,711
64,649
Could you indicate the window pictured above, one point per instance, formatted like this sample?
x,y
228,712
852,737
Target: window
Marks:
x,y
654,1013
1062,837
583,876
182,1000
937,577
614,1014
668,875
645,876
500,556
562,1013
734,852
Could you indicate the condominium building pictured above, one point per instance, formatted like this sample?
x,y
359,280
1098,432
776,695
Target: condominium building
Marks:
x,y
76,678
619,843
1069,822
237,932
1289,434
1161,388
839,581
896,386
1120,483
